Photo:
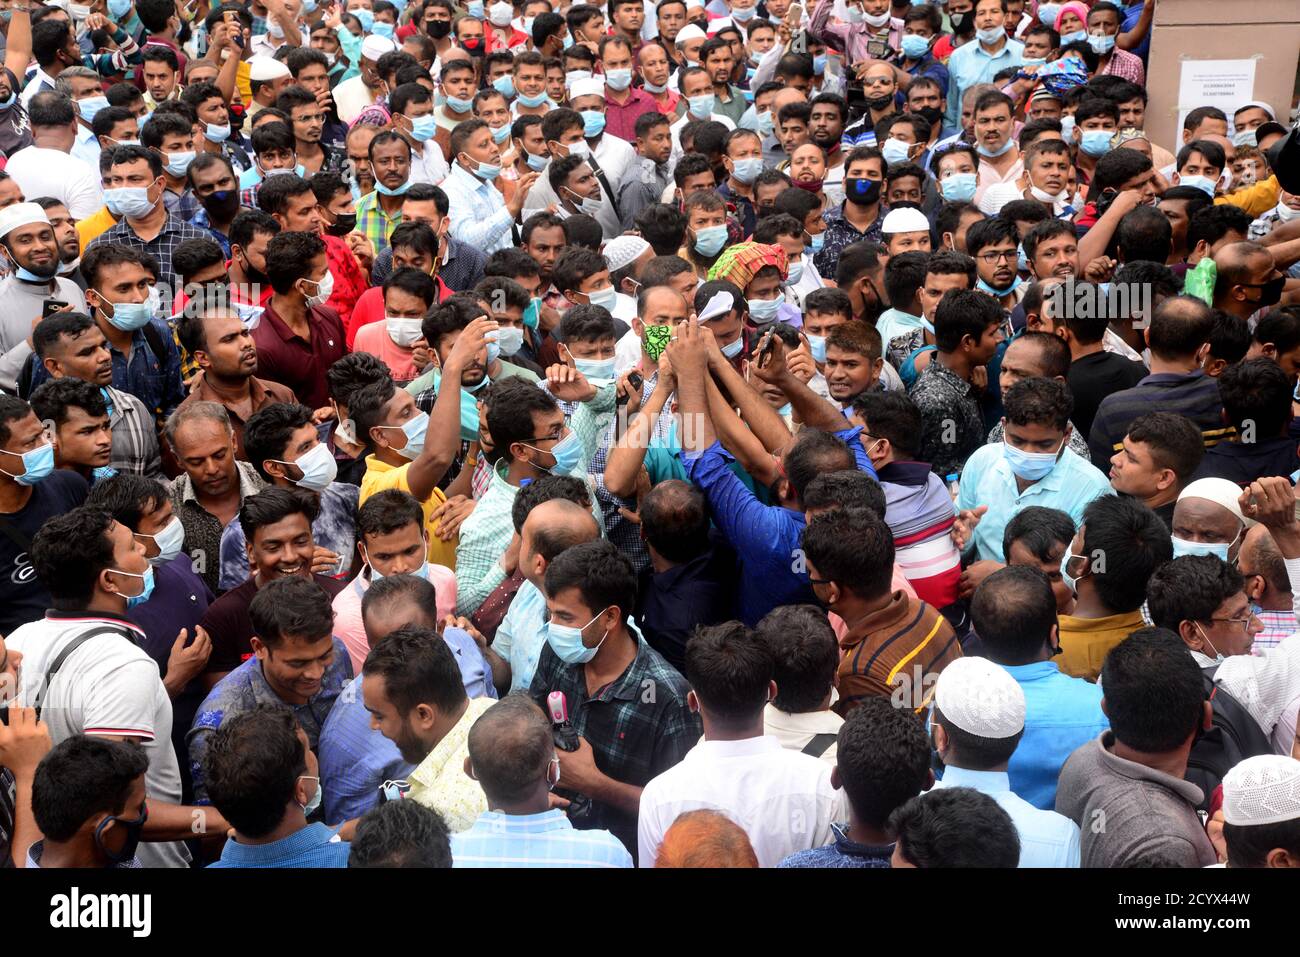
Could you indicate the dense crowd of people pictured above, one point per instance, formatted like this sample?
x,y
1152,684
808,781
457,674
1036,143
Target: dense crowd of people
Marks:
x,y
661,434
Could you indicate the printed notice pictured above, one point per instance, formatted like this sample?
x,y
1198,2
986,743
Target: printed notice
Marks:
x,y
1223,83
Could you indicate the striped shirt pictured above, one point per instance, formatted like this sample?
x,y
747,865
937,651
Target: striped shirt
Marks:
x,y
135,436
547,839
1193,395
1277,625
919,512
895,651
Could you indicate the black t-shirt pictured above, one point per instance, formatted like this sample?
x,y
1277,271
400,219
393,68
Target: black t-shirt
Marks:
x,y
1092,378
15,127
8,810
23,597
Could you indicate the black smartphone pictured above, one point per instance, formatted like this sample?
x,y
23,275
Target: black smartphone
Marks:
x,y
52,306
763,354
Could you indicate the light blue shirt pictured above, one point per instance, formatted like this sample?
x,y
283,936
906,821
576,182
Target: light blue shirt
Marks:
x,y
535,840
1061,713
971,64
479,217
987,479
895,322
355,759
522,634
86,148
1047,839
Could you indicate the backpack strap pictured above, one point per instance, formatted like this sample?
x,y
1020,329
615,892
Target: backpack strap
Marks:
x,y
819,744
38,699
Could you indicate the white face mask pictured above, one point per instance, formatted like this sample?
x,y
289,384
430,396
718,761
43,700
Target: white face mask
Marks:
x,y
403,332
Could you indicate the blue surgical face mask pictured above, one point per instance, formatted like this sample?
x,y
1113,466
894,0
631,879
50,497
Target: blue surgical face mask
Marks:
x,y
423,128
1217,549
567,453
761,310
133,600
367,18
510,339
501,134
914,47
169,540
310,807
458,105
982,286
533,314
765,126
702,105
1000,151
1101,45
531,101
318,468
747,170
894,151
733,349
90,106
1022,261
819,64
1078,36
817,346
603,297
130,316
710,240
37,465
794,273
1030,466
415,428
505,85
1071,582
991,35
535,162
959,187
179,163
815,243
1047,14
566,641
398,191
618,80
131,202
1067,127
595,368
383,29
1203,183
593,123
216,134
118,8
1096,143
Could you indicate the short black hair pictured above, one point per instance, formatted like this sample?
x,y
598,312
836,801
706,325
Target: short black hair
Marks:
x,y
603,577
805,655
82,776
54,397
1134,541
962,313
975,751
1013,612
268,431
1174,440
1180,325
353,372
250,222
1230,340
847,488
730,672
1040,530
813,453
194,255
274,194
386,512
400,834
102,255
273,505
1255,391
904,275
675,520
252,765
1036,401
852,547
1153,691
892,416
1213,221
70,551
1190,588
289,255
418,667
583,232
510,413
548,488
128,497
662,226
290,607
574,266
955,827
1249,844
587,323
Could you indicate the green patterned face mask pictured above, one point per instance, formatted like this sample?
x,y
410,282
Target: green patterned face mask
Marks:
x,y
655,341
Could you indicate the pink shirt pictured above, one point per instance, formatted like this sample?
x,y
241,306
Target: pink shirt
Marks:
x,y
374,338
347,610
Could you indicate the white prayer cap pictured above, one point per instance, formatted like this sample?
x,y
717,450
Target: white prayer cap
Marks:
x,y
21,214
1259,105
905,219
587,86
719,24
689,32
373,47
980,698
1220,491
263,68
1264,789
623,251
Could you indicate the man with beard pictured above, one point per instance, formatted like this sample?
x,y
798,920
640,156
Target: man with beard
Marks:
x,y
30,245
212,180
413,690
65,234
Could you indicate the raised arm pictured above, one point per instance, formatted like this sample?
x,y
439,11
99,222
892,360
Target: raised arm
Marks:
x,y
18,41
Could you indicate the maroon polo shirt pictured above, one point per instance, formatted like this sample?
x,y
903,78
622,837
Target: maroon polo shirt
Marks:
x,y
287,358
620,118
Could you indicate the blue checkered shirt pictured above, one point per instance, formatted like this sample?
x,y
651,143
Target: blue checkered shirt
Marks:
x,y
534,840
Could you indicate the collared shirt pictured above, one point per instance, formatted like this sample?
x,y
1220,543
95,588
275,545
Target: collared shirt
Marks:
x,y
1148,814
381,475
842,852
989,177
672,603
970,63
755,782
440,782
350,629
478,211
135,436
642,184
314,846
262,392
285,357
36,850
952,426
634,736
1193,395
460,270
202,528
840,233
897,650
987,479
1047,839
334,528
355,758
522,634
620,118
795,730
1277,625
174,232
244,689
855,40
764,536
546,839
1085,641
374,223
1127,66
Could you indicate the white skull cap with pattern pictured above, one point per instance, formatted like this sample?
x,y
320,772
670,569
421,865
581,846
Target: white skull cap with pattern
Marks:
x,y
587,86
1220,491
1264,789
905,219
689,32
623,251
374,46
980,698
21,214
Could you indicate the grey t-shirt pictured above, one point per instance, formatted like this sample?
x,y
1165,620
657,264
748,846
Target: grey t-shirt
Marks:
x,y
1127,812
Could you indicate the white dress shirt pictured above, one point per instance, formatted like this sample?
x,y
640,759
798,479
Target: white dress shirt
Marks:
x,y
429,166
45,172
795,731
782,799
479,217
1047,839
680,123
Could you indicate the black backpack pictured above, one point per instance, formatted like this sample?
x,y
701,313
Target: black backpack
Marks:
x,y
1234,737
151,336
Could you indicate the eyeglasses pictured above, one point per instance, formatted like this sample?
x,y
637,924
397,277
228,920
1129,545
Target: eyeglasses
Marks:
x,y
1244,622
993,256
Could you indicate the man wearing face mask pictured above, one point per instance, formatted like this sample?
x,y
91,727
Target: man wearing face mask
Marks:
x,y
872,33
576,185
980,61
480,216
284,446
106,684
411,105
212,181
77,416
1247,281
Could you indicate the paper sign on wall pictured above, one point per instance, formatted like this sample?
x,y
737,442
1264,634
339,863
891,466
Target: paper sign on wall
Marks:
x,y
1226,84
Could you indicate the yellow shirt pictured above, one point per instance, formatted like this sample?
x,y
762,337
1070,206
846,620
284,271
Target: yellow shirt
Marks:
x,y
1256,200
93,225
1085,641
440,781
242,83
380,476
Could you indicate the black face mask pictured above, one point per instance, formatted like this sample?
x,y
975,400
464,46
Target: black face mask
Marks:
x,y
254,275
862,191
881,102
344,223
437,28
933,115
962,23
132,828
222,204
1270,293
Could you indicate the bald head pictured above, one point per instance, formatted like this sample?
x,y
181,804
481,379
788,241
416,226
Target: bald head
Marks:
x,y
549,529
787,95
510,750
